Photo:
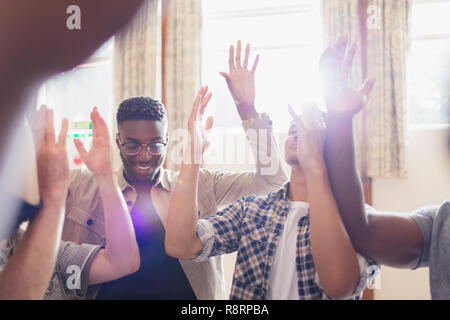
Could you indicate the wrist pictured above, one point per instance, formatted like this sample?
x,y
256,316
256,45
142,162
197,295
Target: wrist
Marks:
x,y
340,116
189,171
246,111
316,170
56,199
105,177
192,154
190,167
338,124
104,174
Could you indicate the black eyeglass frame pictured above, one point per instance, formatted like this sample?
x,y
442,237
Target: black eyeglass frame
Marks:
x,y
140,146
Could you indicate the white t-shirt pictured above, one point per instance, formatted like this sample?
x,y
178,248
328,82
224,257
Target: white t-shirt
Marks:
x,y
283,275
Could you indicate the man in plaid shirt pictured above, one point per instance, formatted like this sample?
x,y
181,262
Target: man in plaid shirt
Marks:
x,y
291,244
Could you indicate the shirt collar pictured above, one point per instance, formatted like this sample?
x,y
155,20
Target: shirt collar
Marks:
x,y
283,193
161,180
280,199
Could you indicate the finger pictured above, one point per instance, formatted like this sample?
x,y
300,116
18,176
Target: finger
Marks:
x,y
38,124
205,102
209,123
94,123
300,127
312,115
209,98
327,60
348,61
238,54
327,54
342,41
341,45
255,64
368,86
102,126
37,116
247,53
99,127
196,104
293,114
231,58
225,75
49,134
80,148
62,138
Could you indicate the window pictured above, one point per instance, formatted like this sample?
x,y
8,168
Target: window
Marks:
x,y
429,63
287,34
74,93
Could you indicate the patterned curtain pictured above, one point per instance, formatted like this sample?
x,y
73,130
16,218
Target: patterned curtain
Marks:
x,y
182,71
379,128
340,17
387,46
135,54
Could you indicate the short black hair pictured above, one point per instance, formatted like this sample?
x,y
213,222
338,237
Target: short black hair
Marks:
x,y
141,108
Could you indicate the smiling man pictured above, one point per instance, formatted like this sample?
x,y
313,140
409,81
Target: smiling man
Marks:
x,y
142,125
142,139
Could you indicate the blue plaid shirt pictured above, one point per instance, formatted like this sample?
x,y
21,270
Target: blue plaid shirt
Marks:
x,y
252,226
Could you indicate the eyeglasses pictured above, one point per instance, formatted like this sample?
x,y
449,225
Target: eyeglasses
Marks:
x,y
134,148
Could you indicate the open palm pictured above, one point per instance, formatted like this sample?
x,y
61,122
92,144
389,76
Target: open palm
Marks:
x,y
98,158
199,132
241,80
335,66
310,135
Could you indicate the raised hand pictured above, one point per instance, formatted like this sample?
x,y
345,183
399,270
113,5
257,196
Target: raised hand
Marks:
x,y
52,159
241,81
335,65
199,132
310,138
98,159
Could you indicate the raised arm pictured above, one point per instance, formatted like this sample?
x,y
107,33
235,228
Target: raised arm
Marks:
x,y
334,258
269,174
29,269
388,238
120,256
182,240
241,81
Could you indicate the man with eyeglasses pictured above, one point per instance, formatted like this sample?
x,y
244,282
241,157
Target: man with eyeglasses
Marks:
x,y
142,140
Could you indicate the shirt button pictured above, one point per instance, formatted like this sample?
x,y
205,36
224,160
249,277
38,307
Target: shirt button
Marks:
x,y
129,203
89,222
270,122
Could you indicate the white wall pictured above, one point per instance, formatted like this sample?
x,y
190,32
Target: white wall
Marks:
x,y
428,182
